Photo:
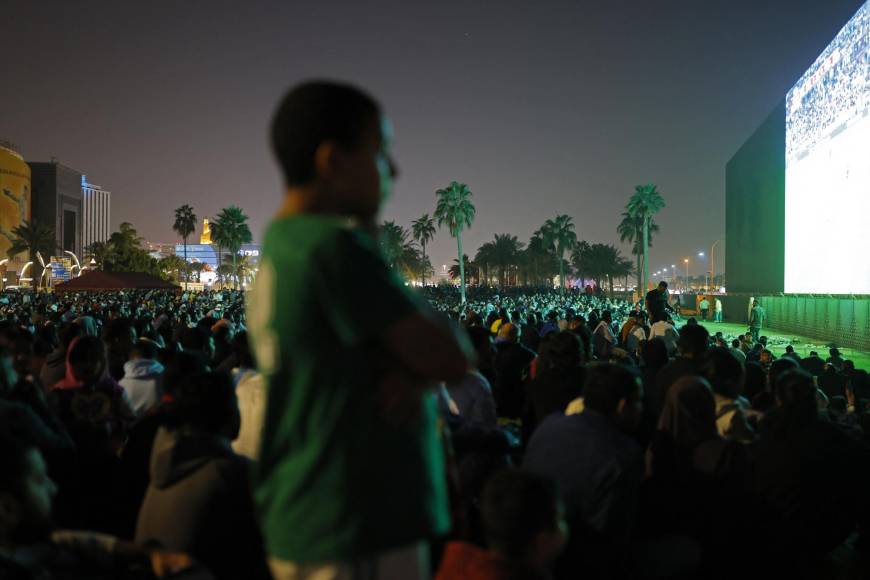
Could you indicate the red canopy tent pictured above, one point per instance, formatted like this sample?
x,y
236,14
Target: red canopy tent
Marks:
x,y
94,281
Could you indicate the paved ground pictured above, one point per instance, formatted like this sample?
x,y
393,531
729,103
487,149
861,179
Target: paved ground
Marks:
x,y
802,344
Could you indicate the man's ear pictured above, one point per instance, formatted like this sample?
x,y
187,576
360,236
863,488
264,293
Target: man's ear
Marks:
x,y
325,159
620,406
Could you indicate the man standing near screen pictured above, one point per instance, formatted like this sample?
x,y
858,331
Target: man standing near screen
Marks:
x,y
657,302
756,320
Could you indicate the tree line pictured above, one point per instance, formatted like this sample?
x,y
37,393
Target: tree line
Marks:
x,y
125,251
553,249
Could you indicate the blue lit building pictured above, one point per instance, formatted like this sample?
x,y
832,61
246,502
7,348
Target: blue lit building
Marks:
x,y
207,253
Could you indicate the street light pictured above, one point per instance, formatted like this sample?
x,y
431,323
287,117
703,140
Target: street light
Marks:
x,y
686,260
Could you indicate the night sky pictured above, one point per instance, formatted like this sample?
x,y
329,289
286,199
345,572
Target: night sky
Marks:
x,y
540,107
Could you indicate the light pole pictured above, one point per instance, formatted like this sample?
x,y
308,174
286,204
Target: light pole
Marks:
x,y
686,261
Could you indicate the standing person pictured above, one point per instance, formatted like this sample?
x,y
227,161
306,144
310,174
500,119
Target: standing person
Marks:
x,y
143,377
512,366
657,302
350,478
705,308
603,338
717,310
756,320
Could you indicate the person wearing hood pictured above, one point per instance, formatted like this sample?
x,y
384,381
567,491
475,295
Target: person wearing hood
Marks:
x,y
54,368
143,377
97,415
199,498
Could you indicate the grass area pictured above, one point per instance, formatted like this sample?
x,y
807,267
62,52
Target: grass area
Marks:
x,y
802,344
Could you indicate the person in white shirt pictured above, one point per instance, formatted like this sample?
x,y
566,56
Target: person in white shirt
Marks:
x,y
251,396
665,329
143,377
636,338
717,310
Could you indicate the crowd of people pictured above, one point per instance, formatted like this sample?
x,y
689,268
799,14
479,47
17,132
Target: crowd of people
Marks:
x,y
333,423
833,91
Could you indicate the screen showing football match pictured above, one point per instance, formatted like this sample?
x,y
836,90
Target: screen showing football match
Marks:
x,y
827,176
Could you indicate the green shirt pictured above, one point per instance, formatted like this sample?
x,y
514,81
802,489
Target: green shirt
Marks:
x,y
756,319
335,481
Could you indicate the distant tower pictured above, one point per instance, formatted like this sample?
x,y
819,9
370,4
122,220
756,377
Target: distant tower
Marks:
x,y
95,214
205,238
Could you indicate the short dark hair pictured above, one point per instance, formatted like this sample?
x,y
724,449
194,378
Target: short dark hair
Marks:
x,y
693,339
663,284
735,343
778,367
206,401
796,395
605,385
313,113
654,353
724,372
517,505
789,348
560,351
194,339
179,367
144,348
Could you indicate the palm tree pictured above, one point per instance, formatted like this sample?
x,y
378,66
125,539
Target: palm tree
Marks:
x,y
630,230
399,250
484,258
237,269
643,205
505,255
198,268
559,235
580,260
539,261
172,267
34,238
455,210
392,239
423,230
100,252
232,233
455,270
185,224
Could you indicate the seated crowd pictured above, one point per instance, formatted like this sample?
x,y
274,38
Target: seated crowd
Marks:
x,y
137,417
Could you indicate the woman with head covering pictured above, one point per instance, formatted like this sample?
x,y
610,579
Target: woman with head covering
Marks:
x,y
810,476
694,476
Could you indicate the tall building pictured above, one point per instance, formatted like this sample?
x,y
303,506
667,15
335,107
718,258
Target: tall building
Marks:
x,y
15,189
57,201
95,214
205,238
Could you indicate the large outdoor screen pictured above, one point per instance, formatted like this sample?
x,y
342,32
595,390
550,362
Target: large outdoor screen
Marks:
x,y
827,168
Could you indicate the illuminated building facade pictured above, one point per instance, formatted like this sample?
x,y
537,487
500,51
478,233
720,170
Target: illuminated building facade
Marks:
x,y
96,205
15,200
57,201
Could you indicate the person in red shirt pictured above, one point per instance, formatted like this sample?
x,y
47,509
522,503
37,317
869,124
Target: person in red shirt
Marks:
x,y
525,529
